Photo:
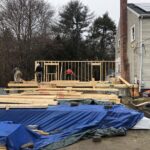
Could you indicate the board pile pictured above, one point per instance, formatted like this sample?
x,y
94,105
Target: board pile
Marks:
x,y
31,94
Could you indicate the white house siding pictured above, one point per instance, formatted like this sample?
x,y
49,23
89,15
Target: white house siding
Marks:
x,y
117,53
146,53
133,47
118,66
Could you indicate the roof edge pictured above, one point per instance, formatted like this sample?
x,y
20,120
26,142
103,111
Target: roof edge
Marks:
x,y
137,14
133,11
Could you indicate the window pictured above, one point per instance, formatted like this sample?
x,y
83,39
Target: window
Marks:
x,y
119,43
132,33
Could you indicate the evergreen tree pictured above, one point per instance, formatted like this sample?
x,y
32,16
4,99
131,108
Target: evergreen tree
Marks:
x,y
101,38
74,21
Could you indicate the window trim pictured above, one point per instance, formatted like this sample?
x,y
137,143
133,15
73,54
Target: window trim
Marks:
x,y
118,44
131,35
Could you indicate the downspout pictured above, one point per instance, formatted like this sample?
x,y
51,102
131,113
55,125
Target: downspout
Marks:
x,y
141,53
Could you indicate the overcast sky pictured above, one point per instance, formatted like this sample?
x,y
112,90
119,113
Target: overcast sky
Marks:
x,y
99,6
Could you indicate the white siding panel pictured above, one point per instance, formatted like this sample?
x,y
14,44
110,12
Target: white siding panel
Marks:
x,y
146,85
133,59
146,53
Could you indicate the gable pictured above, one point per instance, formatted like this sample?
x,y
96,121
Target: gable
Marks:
x,y
140,9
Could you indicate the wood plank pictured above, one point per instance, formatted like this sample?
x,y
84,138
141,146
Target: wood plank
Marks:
x,y
99,96
28,101
74,84
50,93
47,94
91,85
117,101
27,82
8,106
14,101
89,89
22,85
64,81
106,88
21,89
51,64
3,148
124,81
96,64
91,96
28,97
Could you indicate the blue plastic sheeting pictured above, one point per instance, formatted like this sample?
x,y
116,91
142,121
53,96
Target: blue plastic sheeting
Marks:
x,y
15,135
64,120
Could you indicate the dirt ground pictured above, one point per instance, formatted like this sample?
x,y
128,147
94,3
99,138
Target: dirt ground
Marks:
x,y
134,140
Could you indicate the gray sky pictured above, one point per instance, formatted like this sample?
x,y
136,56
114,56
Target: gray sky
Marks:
x,y
99,6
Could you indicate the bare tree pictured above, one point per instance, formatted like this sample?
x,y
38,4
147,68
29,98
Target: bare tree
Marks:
x,y
26,20
25,17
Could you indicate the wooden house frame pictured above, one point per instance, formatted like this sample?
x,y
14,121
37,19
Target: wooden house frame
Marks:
x,y
83,70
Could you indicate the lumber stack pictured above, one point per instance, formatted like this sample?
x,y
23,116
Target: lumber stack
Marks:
x,y
3,147
26,84
19,101
30,94
102,97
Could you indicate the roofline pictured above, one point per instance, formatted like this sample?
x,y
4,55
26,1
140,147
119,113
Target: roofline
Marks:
x,y
144,16
138,15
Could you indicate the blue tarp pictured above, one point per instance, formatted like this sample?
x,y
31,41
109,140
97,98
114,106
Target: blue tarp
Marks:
x,y
15,135
63,120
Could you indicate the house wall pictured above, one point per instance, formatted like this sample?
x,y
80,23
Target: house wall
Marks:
x,y
117,53
133,47
146,53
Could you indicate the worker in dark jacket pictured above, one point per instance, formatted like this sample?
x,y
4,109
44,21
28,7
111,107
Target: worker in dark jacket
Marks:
x,y
39,72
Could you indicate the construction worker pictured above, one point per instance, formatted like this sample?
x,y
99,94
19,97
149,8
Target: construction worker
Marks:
x,y
17,75
70,74
39,72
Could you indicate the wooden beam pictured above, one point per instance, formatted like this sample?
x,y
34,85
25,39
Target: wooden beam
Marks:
x,y
117,101
31,101
96,64
125,82
51,64
93,96
12,84
8,106
98,88
49,92
28,97
90,89
20,89
3,148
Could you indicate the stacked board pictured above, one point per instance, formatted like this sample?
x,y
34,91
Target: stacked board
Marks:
x,y
31,94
